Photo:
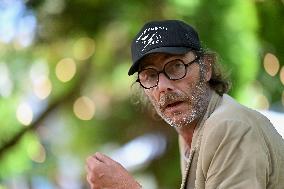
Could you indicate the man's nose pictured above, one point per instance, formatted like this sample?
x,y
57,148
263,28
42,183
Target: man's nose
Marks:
x,y
165,84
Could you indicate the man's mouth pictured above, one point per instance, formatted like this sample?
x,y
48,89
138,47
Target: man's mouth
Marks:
x,y
173,104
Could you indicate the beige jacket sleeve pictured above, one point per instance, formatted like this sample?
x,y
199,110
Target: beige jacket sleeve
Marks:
x,y
233,155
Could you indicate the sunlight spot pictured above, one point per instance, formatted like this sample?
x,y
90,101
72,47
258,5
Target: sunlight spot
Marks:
x,y
84,48
38,69
24,114
65,69
36,152
42,87
271,64
282,75
53,6
262,102
84,108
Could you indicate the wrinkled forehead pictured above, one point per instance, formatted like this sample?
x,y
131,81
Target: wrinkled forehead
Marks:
x,y
160,59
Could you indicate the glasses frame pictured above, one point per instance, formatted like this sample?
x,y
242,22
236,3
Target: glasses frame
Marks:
x,y
197,59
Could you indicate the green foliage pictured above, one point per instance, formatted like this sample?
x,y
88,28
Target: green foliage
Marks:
x,y
233,36
241,32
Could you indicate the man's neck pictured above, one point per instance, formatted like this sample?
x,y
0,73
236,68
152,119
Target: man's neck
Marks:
x,y
187,132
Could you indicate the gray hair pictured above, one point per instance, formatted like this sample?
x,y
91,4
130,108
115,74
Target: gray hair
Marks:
x,y
219,80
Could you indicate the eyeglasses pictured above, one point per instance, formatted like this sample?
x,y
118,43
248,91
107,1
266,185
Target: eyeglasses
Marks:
x,y
173,70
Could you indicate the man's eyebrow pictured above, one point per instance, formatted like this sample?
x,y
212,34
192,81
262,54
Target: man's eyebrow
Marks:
x,y
147,62
146,65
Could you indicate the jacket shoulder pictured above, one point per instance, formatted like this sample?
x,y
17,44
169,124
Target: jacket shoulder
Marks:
x,y
230,111
233,120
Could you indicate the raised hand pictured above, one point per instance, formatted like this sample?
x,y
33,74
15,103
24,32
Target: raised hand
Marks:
x,y
105,173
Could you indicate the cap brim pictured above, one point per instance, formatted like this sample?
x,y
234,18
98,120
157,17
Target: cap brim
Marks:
x,y
169,50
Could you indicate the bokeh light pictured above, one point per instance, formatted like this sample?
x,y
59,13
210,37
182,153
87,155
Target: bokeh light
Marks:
x,y
271,64
65,69
84,48
53,6
42,87
84,108
36,152
24,113
282,75
39,74
38,69
262,102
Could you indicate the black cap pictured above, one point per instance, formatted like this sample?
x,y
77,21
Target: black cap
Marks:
x,y
167,36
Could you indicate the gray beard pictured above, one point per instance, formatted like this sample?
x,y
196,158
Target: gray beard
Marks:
x,y
198,100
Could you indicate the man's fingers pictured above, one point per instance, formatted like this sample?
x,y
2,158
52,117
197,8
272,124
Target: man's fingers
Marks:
x,y
98,159
90,181
92,162
104,158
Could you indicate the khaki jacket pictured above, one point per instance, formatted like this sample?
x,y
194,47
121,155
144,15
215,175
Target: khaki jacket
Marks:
x,y
233,147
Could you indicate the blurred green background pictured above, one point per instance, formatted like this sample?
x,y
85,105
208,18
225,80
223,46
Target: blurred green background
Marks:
x,y
65,92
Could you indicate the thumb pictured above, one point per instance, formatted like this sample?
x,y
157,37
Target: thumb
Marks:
x,y
104,158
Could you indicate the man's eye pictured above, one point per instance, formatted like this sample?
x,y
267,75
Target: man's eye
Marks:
x,y
151,75
178,65
175,66
148,75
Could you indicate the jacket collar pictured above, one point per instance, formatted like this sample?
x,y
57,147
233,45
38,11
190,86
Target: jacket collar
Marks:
x,y
197,136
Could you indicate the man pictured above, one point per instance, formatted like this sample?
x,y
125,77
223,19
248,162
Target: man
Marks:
x,y
223,144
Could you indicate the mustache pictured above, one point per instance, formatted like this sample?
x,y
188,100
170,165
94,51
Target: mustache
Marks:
x,y
170,98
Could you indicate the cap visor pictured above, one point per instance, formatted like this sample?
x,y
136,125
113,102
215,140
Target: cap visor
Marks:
x,y
168,50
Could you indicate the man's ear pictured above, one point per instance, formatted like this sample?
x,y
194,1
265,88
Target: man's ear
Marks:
x,y
208,63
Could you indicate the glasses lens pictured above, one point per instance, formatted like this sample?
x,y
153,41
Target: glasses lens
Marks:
x,y
175,69
148,78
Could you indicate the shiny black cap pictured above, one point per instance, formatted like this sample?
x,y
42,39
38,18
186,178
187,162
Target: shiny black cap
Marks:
x,y
167,36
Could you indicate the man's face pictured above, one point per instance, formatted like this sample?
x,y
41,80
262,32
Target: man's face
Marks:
x,y
178,102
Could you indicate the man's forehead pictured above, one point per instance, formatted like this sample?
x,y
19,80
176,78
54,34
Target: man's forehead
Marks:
x,y
161,58
157,58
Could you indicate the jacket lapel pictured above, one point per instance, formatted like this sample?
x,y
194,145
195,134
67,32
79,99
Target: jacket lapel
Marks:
x,y
187,168
191,164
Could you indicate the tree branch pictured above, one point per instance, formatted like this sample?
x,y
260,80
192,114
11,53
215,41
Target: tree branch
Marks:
x,y
54,105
